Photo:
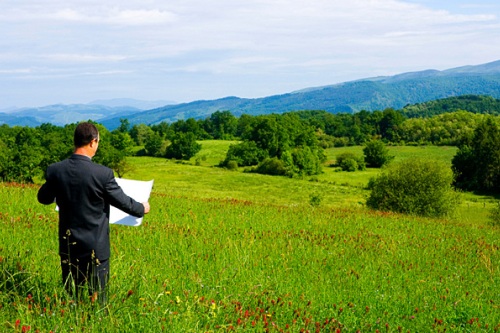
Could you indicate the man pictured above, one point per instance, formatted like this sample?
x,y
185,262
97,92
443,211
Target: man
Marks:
x,y
84,191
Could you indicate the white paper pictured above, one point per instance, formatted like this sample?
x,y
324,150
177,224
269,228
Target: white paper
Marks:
x,y
136,189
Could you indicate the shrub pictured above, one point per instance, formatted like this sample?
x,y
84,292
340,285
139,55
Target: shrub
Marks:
x,y
271,166
376,154
494,216
245,153
349,162
414,186
315,199
307,161
232,165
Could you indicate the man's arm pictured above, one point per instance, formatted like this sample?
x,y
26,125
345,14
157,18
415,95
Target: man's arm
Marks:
x,y
46,193
117,198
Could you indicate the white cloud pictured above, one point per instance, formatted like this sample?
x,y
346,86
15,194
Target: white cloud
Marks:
x,y
282,44
83,58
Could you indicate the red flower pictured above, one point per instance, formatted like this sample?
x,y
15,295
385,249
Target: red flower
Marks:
x,y
25,329
18,322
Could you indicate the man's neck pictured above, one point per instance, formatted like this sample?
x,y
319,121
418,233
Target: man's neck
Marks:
x,y
85,151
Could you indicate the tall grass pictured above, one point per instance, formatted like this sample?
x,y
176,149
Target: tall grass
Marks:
x,y
211,258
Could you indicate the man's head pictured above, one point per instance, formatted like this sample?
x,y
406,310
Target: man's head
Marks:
x,y
84,134
86,139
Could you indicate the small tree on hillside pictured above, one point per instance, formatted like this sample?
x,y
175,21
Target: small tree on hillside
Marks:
x,y
183,146
376,154
414,186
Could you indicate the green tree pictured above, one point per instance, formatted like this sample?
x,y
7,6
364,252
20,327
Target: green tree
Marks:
x,y
390,123
477,165
245,153
140,133
124,125
122,141
376,154
154,145
222,125
414,186
183,146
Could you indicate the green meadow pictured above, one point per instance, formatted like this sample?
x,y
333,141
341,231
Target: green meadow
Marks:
x,y
236,251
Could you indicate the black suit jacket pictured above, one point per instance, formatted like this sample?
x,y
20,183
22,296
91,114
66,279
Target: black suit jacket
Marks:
x,y
83,191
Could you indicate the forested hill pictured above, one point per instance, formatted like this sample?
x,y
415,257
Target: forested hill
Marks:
x,y
470,103
368,94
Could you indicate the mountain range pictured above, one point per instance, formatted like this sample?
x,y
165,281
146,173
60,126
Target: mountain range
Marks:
x,y
377,93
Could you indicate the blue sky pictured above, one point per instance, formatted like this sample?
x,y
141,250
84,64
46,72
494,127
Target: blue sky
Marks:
x,y
76,51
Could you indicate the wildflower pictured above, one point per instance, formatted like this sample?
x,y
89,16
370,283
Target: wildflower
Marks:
x,y
18,322
25,329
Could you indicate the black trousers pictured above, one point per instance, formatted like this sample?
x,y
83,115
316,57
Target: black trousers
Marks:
x,y
76,273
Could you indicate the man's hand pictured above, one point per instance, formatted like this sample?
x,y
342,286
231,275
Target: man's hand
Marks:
x,y
146,207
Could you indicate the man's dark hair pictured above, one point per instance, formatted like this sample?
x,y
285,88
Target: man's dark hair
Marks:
x,y
84,134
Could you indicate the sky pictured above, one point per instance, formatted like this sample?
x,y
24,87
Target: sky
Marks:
x,y
78,51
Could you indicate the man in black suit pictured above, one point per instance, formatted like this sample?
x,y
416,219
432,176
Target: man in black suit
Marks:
x,y
84,191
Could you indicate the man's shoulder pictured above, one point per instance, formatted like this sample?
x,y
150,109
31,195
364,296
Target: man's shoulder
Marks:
x,y
80,159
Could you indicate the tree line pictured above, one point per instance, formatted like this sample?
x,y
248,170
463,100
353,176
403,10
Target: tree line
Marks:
x,y
289,144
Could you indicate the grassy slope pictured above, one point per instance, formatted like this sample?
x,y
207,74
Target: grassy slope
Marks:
x,y
336,189
208,259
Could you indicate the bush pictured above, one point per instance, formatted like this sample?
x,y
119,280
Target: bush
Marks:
x,y
415,186
349,162
232,165
245,153
376,154
271,166
494,216
307,161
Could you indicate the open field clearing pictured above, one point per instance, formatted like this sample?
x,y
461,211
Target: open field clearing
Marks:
x,y
232,251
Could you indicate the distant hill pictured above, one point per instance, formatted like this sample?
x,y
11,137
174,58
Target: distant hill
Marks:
x,y
133,103
367,94
61,114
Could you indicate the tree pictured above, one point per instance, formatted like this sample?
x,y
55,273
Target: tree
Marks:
x,y
183,146
154,144
140,133
124,125
414,186
477,164
376,154
245,153
222,125
389,124
122,141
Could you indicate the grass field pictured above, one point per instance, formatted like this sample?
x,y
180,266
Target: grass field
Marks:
x,y
232,251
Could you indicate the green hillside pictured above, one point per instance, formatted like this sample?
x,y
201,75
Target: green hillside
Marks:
x,y
368,94
225,251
